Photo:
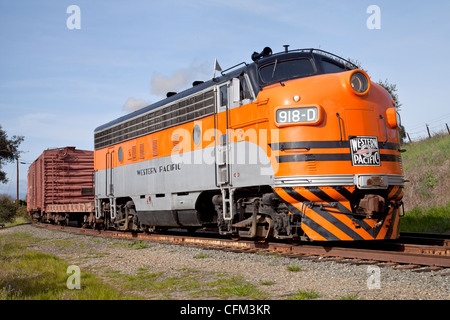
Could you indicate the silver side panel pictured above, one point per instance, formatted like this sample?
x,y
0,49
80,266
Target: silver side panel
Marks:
x,y
359,180
175,182
250,165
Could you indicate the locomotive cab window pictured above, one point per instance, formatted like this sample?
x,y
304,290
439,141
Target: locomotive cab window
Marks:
x,y
223,96
331,67
285,70
244,89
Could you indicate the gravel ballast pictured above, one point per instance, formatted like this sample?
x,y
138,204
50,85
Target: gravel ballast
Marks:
x,y
330,279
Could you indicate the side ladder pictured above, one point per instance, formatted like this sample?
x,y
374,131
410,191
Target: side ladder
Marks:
x,y
227,202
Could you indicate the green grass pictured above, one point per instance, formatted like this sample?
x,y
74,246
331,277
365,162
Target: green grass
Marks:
x,y
304,295
233,287
191,283
431,220
426,153
293,268
426,196
18,220
26,274
138,244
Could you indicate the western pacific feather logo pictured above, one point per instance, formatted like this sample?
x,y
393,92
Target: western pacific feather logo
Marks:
x,y
365,151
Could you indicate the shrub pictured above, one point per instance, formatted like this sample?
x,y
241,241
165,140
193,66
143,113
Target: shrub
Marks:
x,y
7,208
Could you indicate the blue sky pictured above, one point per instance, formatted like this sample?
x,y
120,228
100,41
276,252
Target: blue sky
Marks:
x,y
57,85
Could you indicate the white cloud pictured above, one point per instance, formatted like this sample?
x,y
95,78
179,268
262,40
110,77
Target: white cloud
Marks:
x,y
133,104
39,118
181,79
162,84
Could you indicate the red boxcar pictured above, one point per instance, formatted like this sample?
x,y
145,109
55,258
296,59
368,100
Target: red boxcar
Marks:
x,y
60,182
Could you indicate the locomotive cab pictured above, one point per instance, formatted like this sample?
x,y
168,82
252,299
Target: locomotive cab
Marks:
x,y
339,167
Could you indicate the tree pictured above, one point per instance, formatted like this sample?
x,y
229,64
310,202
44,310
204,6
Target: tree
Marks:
x,y
392,89
9,151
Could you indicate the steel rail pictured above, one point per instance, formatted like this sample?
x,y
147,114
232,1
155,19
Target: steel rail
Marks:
x,y
427,255
425,238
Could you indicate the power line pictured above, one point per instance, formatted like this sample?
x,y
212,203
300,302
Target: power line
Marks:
x,y
426,131
440,118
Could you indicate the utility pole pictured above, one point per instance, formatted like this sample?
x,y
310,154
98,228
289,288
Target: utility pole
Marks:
x,y
17,198
428,129
17,191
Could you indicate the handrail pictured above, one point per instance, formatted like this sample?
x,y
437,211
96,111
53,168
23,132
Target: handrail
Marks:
x,y
340,129
332,55
243,62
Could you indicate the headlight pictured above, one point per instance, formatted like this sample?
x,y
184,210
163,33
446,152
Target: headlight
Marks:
x,y
360,83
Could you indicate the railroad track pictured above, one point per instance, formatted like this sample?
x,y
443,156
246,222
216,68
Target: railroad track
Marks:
x,y
409,251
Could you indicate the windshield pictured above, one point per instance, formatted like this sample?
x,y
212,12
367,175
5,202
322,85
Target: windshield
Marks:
x,y
288,69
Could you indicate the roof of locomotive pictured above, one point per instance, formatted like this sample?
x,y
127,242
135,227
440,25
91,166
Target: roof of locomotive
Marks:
x,y
302,52
250,69
175,97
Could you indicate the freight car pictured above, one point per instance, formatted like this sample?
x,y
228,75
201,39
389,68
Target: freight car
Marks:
x,y
297,144
60,186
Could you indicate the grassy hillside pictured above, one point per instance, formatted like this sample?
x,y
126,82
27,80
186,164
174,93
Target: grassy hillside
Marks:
x,y
427,165
427,196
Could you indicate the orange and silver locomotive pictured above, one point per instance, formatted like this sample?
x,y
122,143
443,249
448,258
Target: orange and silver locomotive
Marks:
x,y
297,144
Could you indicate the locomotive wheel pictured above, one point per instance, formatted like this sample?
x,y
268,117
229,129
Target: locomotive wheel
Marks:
x,y
235,236
148,229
